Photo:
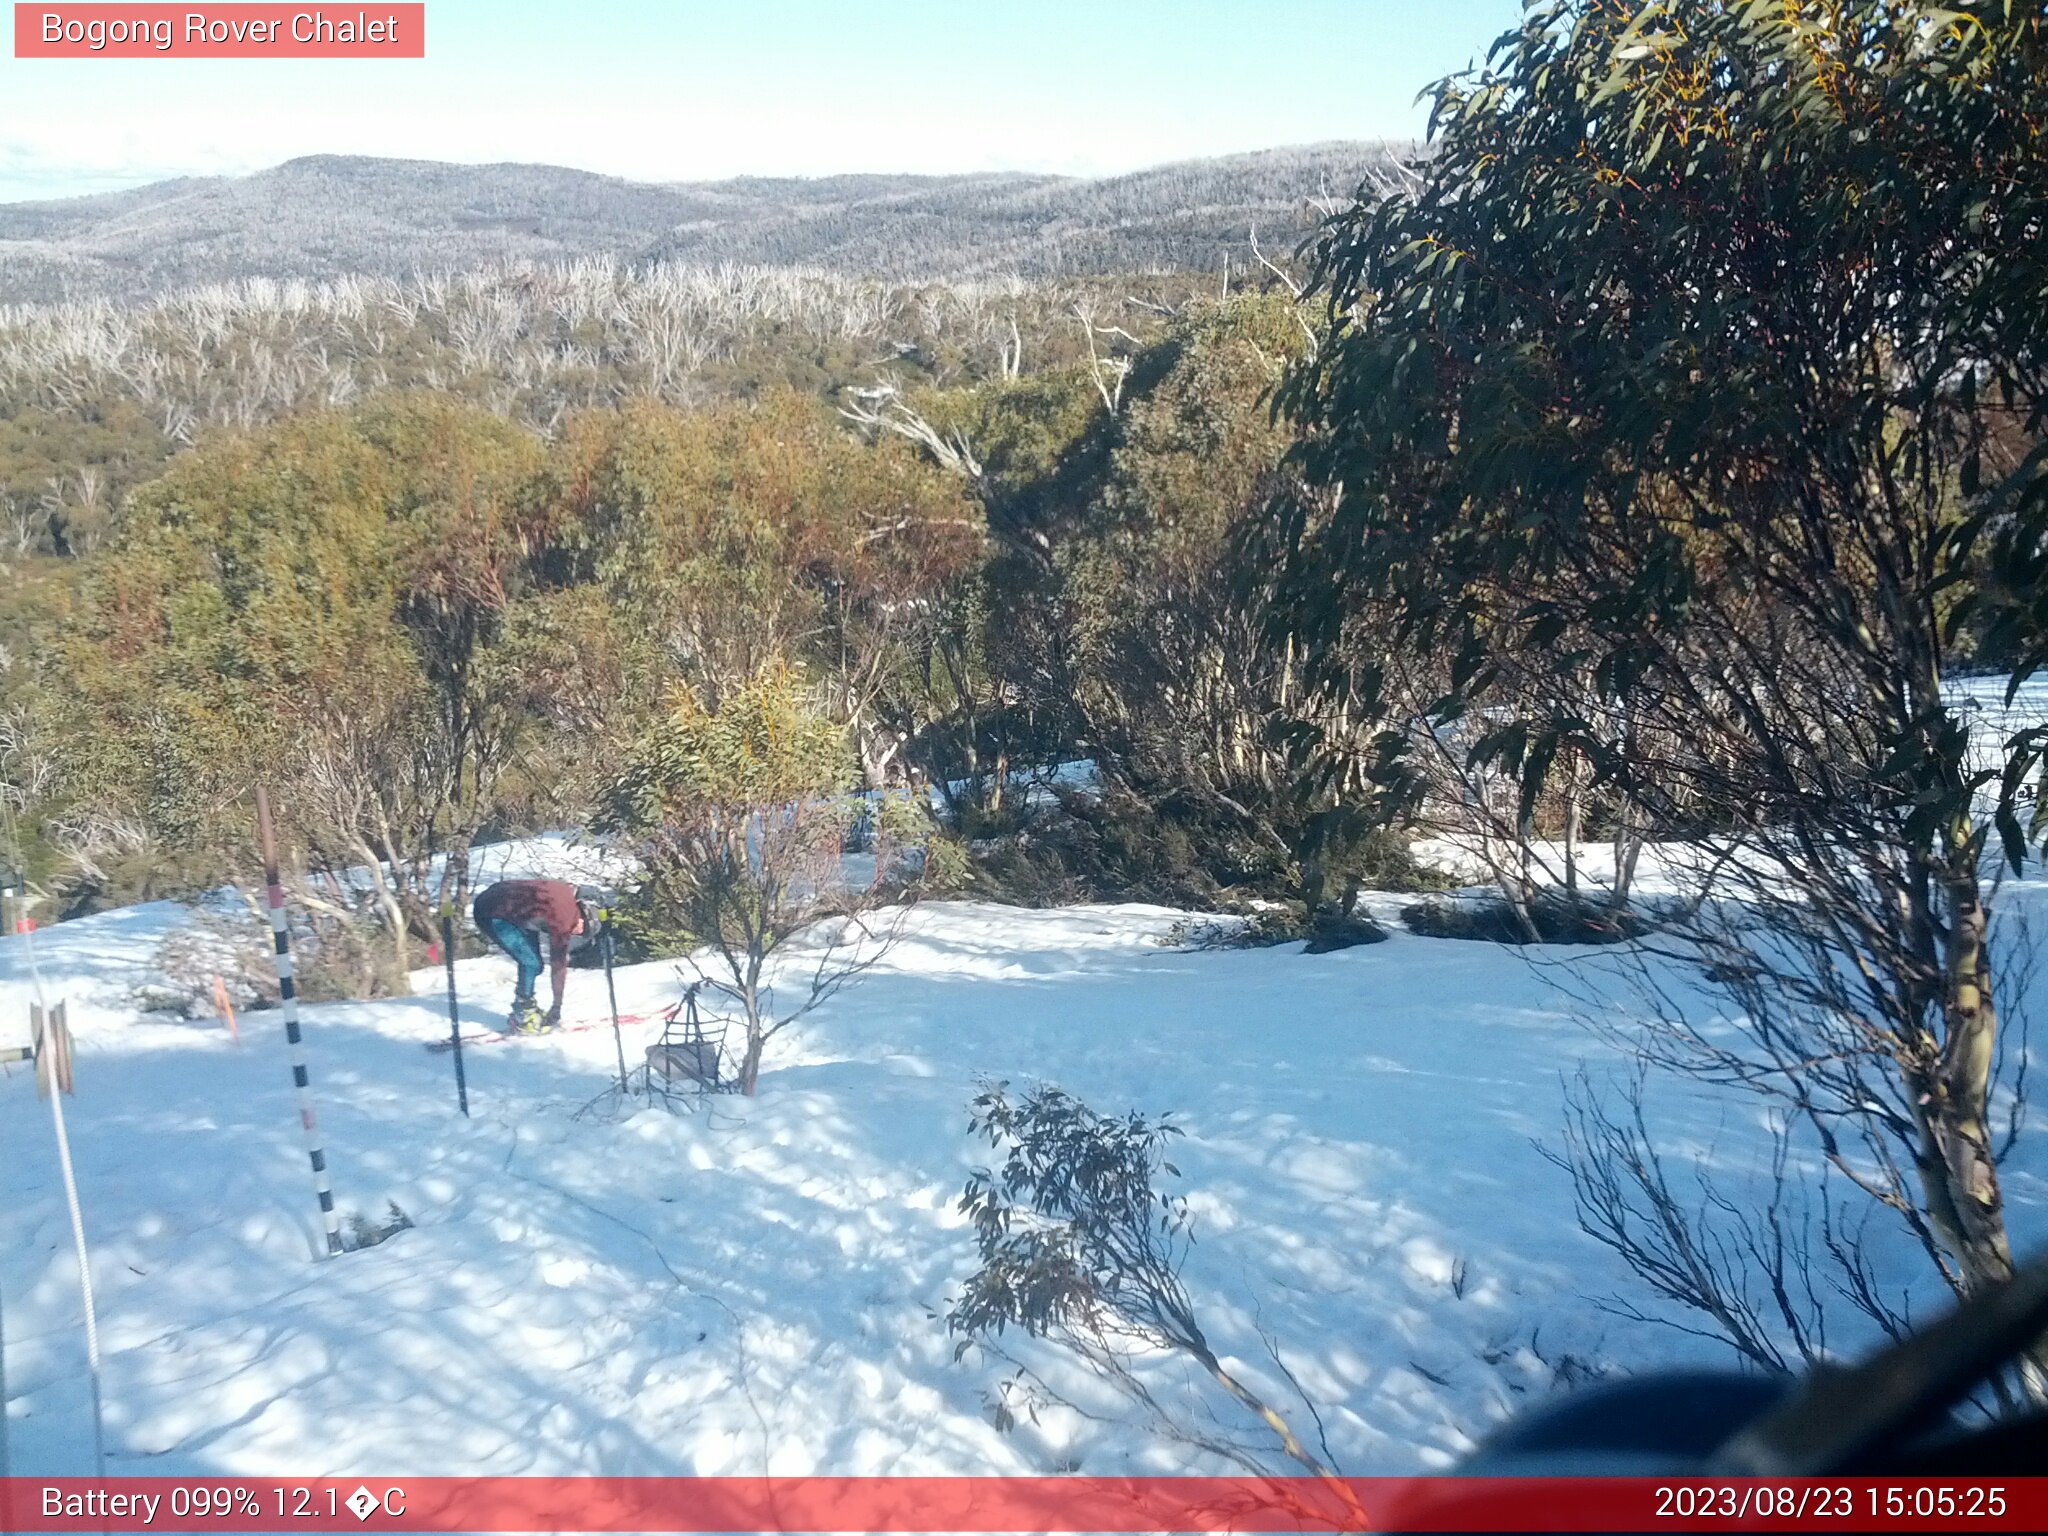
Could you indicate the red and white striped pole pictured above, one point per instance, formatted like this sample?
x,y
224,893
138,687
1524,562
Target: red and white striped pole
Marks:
x,y
288,996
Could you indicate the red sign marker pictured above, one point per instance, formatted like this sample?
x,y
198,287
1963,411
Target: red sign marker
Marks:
x,y
103,31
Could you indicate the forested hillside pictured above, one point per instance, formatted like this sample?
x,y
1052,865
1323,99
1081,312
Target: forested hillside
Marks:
x,y
947,538
97,396
334,215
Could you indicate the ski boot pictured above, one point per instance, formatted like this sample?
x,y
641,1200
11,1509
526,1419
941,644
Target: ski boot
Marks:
x,y
526,1017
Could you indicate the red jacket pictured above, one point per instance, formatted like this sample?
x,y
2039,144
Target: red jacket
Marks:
x,y
538,906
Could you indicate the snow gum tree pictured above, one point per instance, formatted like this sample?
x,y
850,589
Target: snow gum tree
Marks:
x,y
1690,389
738,813
1188,698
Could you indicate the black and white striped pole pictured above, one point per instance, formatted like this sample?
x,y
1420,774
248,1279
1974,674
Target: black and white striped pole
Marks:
x,y
288,997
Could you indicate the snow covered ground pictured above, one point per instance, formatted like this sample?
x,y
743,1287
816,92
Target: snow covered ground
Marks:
x,y
759,1287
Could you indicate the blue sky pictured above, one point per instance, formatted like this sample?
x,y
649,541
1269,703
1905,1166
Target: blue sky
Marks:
x,y
687,89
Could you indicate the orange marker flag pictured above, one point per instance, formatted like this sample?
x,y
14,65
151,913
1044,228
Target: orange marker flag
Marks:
x,y
227,1009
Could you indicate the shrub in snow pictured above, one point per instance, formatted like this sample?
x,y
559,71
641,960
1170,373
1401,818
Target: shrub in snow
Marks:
x,y
1272,926
735,808
361,1232
1555,920
1109,844
336,955
210,946
1078,1247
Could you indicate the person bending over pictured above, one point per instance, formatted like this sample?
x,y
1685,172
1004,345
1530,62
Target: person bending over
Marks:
x,y
514,914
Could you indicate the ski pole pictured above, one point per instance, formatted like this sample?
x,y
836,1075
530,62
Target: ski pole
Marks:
x,y
454,1018
604,947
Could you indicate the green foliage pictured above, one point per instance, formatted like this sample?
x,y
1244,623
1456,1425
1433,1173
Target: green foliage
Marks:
x,y
1109,845
423,621
947,867
644,926
762,745
1072,1234
1664,424
988,690
1683,364
1200,439
65,472
735,536
913,852
1078,1244
737,816
1192,692
737,813
97,397
1040,440
1677,311
1272,926
1101,848
319,601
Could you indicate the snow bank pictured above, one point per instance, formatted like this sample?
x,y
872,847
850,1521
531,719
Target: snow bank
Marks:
x,y
755,1287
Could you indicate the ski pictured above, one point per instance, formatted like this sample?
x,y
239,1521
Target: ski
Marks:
x,y
493,1036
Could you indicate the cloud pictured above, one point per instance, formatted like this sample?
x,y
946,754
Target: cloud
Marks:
x,y
32,169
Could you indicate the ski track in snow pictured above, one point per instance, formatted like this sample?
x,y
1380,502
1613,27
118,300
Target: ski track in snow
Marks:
x,y
758,1288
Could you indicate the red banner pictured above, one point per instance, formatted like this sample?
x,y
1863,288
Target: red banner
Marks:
x,y
1003,1504
374,31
